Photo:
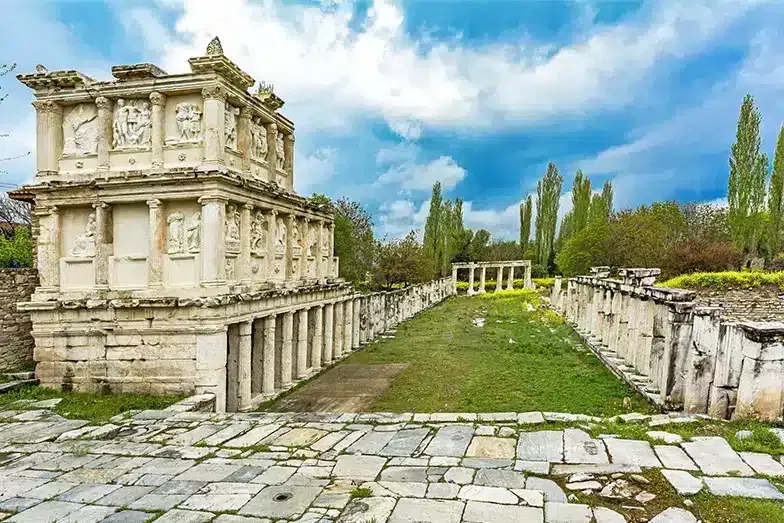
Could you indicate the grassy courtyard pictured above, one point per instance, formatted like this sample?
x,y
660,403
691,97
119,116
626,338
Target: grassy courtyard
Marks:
x,y
518,360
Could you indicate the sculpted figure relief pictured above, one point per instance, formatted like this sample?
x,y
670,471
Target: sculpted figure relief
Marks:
x,y
193,235
232,229
84,244
229,269
80,130
132,124
230,125
259,141
188,116
279,149
312,240
258,234
280,238
174,241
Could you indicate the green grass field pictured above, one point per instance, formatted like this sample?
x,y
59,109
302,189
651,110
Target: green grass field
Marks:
x,y
520,360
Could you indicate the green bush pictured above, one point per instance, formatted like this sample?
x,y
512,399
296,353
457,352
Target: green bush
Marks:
x,y
17,251
726,280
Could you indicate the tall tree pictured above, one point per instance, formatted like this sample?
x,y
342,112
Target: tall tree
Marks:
x,y
601,204
581,202
525,222
746,186
548,192
447,218
433,242
776,197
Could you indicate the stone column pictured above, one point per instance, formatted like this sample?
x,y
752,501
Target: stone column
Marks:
x,y
333,272
104,131
470,279
272,221
244,138
48,254
286,361
288,165
214,129
355,323
318,337
528,281
244,364
157,244
510,282
288,260
49,137
257,358
482,276
268,372
158,133
499,278
454,279
319,254
348,326
337,346
272,153
103,244
329,315
243,271
302,343
213,252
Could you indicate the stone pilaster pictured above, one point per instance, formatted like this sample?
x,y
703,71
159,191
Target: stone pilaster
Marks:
x,y
103,244
337,347
213,252
104,132
48,254
286,360
244,364
268,372
355,323
157,244
303,264
272,153
333,272
288,161
290,220
318,337
244,268
302,343
244,138
49,137
482,277
329,321
157,136
272,221
214,129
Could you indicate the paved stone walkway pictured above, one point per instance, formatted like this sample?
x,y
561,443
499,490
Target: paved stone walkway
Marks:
x,y
190,467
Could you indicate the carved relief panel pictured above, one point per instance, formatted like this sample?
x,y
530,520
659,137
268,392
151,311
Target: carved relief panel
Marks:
x,y
183,235
230,125
80,130
232,229
259,235
184,120
183,229
280,151
258,134
280,247
132,124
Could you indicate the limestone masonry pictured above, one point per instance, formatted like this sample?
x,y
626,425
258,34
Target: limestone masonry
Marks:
x,y
675,352
16,343
174,255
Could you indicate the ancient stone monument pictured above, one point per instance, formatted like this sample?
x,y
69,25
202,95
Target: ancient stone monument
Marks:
x,y
499,268
174,255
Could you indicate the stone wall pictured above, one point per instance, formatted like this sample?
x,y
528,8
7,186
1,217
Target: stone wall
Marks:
x,y
680,355
760,304
16,342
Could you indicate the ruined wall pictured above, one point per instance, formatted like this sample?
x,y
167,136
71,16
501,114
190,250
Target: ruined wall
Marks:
x,y
761,304
16,342
676,352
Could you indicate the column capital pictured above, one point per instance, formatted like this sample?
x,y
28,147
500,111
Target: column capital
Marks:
x,y
246,112
103,103
154,203
274,212
210,198
272,126
47,106
289,137
157,98
248,206
214,92
103,205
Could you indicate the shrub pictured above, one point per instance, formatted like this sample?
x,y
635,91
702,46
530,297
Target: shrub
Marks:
x,y
726,280
777,264
17,251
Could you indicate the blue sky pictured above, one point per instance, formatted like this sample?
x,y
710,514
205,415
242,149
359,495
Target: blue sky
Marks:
x,y
389,97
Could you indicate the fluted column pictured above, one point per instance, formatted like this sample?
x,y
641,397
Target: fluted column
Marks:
x,y
214,129
103,244
104,131
318,337
337,347
244,364
268,372
157,244
355,323
329,321
286,359
348,327
510,282
213,252
244,274
49,136
244,138
302,343
288,165
272,153
48,254
158,133
482,276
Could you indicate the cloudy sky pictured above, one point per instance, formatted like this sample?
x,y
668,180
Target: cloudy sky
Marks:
x,y
389,97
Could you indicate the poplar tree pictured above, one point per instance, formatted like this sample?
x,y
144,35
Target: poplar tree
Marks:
x,y
776,197
447,218
526,209
746,186
581,202
601,205
548,192
433,243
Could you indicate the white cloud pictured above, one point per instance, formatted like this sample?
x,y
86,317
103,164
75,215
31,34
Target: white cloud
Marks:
x,y
421,177
314,169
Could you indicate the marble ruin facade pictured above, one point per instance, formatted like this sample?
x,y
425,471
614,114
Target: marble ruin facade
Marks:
x,y
174,255
500,268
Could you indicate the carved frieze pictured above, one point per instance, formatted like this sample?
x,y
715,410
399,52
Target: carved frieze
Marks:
x,y
175,232
80,130
132,124
188,118
258,235
258,149
230,125
84,244
193,233
296,239
280,150
232,229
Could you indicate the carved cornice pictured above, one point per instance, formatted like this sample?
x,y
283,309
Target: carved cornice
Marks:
x,y
214,92
157,98
47,107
